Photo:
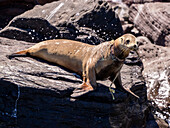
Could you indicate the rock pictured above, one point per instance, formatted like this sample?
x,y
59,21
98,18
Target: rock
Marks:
x,y
156,73
34,92
34,30
79,20
162,123
9,9
152,54
152,20
129,2
127,28
135,32
122,11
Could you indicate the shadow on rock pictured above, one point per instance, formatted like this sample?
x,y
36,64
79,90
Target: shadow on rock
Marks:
x,y
55,108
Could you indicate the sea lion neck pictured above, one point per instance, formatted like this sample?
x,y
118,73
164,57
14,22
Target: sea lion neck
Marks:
x,y
120,51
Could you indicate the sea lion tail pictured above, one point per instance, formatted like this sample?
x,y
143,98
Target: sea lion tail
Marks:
x,y
23,52
18,54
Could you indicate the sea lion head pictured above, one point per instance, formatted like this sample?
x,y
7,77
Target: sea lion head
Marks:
x,y
124,44
127,41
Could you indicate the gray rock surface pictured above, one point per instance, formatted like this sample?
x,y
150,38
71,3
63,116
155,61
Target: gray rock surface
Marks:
x,y
34,92
157,76
129,2
155,58
11,8
87,21
152,20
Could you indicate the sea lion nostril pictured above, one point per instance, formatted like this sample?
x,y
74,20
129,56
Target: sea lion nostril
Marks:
x,y
138,42
135,46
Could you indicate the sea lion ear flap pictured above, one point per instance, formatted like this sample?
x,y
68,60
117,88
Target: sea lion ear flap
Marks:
x,y
122,41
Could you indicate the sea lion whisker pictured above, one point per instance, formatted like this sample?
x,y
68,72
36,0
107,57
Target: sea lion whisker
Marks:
x,y
110,89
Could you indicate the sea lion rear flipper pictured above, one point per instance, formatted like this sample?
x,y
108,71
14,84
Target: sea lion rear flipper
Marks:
x,y
118,84
18,54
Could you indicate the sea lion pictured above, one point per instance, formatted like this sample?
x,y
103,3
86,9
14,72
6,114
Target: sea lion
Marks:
x,y
92,62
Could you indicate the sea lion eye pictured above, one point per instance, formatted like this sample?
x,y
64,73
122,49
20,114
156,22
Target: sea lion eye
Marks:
x,y
127,41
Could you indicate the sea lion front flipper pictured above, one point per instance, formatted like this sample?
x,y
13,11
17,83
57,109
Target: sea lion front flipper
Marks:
x,y
83,89
78,93
89,82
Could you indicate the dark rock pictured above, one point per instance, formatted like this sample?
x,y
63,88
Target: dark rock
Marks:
x,y
122,10
129,2
152,20
11,8
31,29
34,93
151,123
156,73
152,54
87,21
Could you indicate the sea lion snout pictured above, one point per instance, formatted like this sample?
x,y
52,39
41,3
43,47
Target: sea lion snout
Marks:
x,y
134,47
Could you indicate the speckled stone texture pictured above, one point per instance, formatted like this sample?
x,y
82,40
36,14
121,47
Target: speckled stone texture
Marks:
x,y
152,20
34,92
91,21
